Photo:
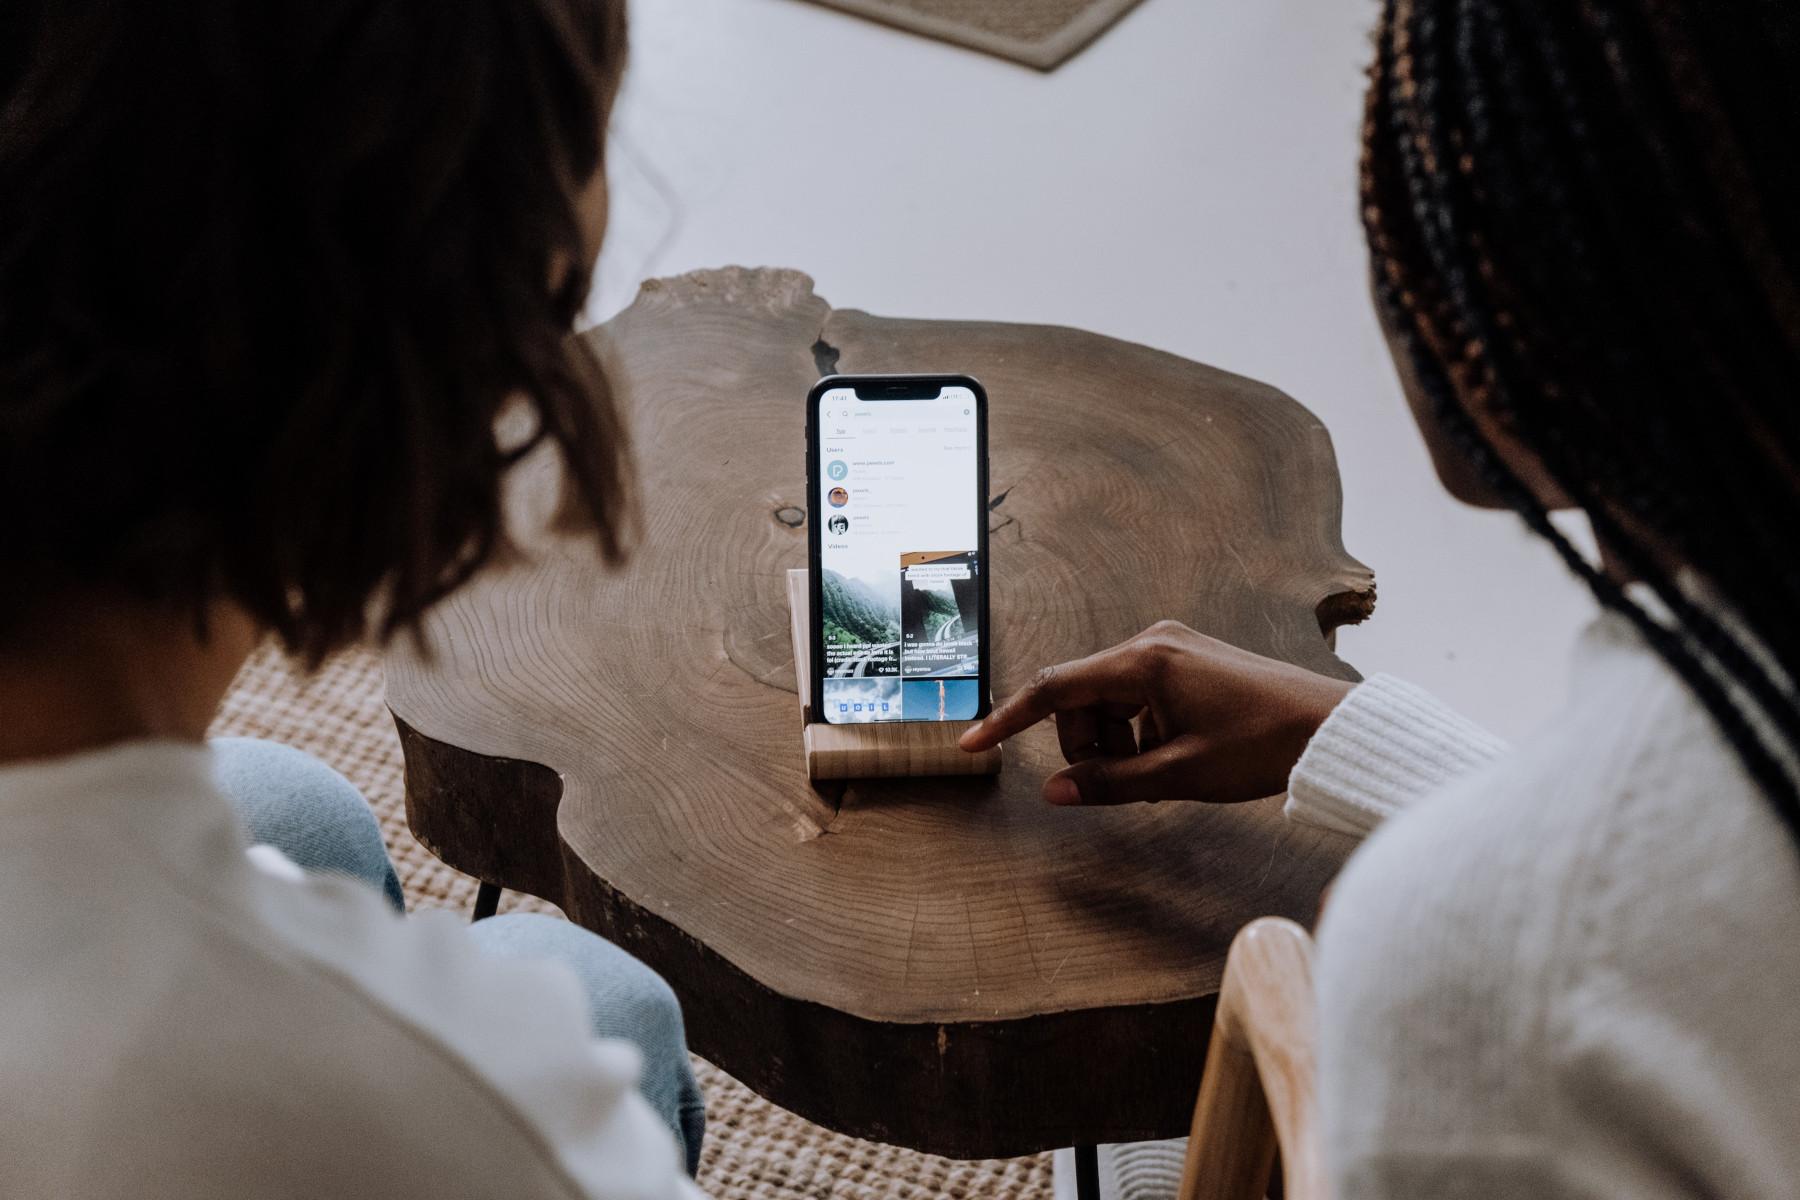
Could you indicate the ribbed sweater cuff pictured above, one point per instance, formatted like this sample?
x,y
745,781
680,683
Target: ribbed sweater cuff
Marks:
x,y
1387,744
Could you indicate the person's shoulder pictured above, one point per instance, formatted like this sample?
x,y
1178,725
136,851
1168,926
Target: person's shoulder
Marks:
x,y
304,1039
1632,742
1631,771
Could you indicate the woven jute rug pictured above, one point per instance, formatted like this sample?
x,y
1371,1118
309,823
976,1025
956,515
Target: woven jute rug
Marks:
x,y
1038,33
754,1150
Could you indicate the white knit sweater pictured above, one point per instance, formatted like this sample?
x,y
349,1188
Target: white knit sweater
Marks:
x,y
177,1025
1569,969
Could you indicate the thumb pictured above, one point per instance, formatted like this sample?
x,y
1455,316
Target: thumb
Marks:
x,y
1164,773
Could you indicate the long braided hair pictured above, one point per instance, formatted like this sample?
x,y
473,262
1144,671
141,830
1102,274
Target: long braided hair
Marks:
x,y
1584,222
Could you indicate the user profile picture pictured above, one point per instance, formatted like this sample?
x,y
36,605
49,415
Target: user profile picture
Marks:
x,y
839,524
838,497
837,468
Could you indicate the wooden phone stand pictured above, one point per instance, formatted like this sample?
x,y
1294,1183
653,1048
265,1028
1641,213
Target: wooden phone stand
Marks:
x,y
886,750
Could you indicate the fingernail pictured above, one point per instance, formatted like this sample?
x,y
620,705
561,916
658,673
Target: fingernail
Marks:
x,y
1060,789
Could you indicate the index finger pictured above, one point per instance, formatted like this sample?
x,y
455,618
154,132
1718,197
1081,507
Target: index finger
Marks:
x,y
1108,676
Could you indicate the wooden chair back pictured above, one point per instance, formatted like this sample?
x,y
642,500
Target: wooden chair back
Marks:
x,y
1259,1091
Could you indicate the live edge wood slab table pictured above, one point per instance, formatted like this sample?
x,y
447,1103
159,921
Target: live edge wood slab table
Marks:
x,y
946,964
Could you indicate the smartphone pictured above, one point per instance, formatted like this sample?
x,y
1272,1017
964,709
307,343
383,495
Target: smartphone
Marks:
x,y
897,548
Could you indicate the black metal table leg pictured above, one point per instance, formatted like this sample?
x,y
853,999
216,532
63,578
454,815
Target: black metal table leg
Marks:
x,y
487,901
1087,1173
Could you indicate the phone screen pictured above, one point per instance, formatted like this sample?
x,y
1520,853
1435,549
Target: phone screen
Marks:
x,y
900,592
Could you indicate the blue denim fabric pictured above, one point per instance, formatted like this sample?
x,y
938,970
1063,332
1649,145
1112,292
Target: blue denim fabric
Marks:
x,y
290,800
626,1000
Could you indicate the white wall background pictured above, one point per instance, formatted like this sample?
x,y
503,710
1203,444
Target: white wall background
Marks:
x,y
1188,182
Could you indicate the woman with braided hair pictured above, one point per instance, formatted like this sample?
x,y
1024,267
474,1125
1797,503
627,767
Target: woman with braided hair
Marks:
x,y
1566,968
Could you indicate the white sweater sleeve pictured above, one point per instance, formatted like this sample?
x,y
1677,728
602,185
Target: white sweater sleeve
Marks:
x,y
1386,745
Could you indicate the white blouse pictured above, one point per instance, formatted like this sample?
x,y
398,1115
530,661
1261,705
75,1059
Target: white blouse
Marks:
x,y
175,1022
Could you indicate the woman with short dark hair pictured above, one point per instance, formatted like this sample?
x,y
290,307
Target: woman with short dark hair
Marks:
x,y
1568,968
270,275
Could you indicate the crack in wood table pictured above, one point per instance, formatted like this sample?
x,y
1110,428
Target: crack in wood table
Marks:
x,y
946,964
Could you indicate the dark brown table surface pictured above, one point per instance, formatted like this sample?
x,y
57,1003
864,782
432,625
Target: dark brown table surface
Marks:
x,y
945,964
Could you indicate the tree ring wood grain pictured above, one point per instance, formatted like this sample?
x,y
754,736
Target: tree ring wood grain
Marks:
x,y
947,964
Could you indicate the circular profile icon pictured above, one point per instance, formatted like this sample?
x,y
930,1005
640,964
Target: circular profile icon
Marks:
x,y
839,524
837,468
838,497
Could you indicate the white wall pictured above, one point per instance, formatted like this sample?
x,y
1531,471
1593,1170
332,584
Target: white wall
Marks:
x,y
1189,182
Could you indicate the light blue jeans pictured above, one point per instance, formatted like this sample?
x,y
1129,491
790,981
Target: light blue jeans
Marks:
x,y
295,803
